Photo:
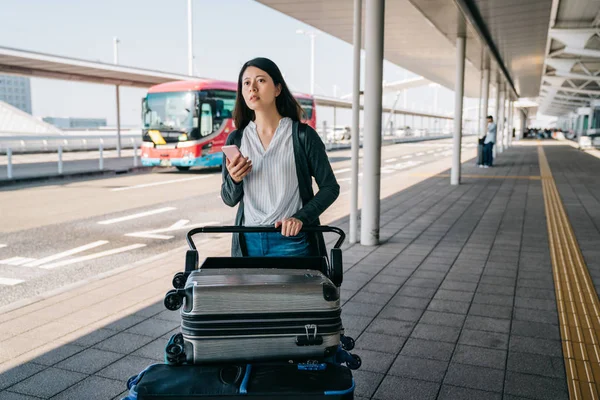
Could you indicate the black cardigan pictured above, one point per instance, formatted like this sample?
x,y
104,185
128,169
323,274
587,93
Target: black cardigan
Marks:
x,y
311,161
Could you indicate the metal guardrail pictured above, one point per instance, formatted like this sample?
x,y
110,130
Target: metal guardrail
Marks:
x,y
24,144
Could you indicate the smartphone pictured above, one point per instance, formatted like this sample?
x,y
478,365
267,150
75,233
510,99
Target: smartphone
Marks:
x,y
231,151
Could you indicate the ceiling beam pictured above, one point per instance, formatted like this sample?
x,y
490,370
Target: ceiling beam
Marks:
x,y
573,90
471,12
580,51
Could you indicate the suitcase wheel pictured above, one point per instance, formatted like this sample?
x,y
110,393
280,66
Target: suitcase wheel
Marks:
x,y
173,300
179,280
347,343
355,363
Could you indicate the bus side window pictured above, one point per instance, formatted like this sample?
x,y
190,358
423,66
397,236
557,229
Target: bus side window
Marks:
x,y
206,119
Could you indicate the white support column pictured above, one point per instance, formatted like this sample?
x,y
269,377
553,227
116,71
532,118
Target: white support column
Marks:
x,y
505,128
461,44
355,138
501,109
9,165
190,40
510,123
485,95
60,160
118,123
369,234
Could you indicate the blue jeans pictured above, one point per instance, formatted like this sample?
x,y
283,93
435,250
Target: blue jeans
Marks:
x,y
488,154
274,244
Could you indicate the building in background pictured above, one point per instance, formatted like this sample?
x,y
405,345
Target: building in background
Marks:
x,y
16,91
76,123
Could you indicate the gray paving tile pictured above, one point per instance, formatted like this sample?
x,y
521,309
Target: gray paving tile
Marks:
x,y
169,315
375,287
493,340
152,310
409,302
417,292
376,361
396,280
419,368
96,336
354,325
357,308
475,322
92,388
545,294
58,354
456,307
536,304
429,274
378,342
48,382
536,364
127,322
125,367
89,361
493,299
535,387
535,329
391,327
153,327
123,343
480,356
444,319
497,280
401,313
428,349
19,373
411,388
545,347
372,298
449,392
496,289
487,310
453,295
423,283
475,377
6,395
436,332
543,316
366,383
535,283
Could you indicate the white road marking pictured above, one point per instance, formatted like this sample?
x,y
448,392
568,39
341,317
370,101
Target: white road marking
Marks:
x,y
145,185
407,156
390,160
3,245
10,282
16,260
386,170
420,154
407,164
93,256
181,224
339,171
139,215
67,253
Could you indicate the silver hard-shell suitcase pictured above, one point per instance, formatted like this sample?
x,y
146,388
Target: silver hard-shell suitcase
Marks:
x,y
259,308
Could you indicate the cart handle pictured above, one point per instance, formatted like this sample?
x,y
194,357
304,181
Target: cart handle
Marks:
x,y
256,229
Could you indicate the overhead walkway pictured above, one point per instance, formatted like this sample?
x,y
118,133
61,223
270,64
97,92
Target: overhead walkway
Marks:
x,y
486,290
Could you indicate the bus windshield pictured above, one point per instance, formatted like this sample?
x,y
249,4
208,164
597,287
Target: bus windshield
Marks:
x,y
173,110
307,107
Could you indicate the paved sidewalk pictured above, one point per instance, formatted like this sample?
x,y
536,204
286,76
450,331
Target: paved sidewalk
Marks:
x,y
456,303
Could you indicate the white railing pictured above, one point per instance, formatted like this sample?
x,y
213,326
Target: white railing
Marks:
x,y
20,143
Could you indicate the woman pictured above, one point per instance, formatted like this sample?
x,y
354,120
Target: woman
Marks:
x,y
272,178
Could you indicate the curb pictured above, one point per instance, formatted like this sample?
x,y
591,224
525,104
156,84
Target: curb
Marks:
x,y
33,179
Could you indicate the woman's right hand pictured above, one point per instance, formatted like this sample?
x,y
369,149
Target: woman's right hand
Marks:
x,y
238,168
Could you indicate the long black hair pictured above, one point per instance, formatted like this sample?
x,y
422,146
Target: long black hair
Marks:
x,y
286,103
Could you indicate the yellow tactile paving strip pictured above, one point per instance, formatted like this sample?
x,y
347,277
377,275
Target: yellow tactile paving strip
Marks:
x,y
576,297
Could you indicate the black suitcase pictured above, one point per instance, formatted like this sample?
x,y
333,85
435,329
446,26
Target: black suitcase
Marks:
x,y
480,152
259,308
310,381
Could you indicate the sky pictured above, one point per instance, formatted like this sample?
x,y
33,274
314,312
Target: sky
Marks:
x,y
153,35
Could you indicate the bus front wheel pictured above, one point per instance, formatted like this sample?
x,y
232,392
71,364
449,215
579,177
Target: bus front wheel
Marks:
x,y
183,168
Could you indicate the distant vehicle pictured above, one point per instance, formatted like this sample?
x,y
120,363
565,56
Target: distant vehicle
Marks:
x,y
185,123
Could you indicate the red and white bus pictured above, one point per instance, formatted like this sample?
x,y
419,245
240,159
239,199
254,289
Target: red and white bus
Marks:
x,y
185,123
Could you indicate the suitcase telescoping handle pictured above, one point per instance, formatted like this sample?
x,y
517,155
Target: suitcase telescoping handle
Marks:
x,y
255,229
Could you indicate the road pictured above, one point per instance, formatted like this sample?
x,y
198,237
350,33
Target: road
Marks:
x,y
56,234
